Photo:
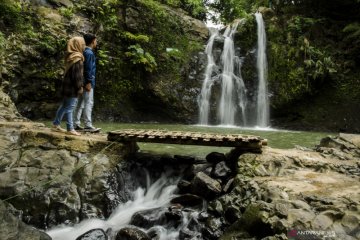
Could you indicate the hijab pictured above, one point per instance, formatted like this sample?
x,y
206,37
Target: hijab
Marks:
x,y
74,52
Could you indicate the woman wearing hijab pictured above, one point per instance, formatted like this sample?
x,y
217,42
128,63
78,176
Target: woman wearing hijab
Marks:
x,y
72,85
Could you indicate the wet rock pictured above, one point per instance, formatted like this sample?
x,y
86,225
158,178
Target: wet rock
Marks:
x,y
216,208
213,229
194,224
187,200
94,234
196,168
205,186
221,171
148,218
215,157
131,234
203,216
174,213
186,234
228,186
12,228
232,214
184,186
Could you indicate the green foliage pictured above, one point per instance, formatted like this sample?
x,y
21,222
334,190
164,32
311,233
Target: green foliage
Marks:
x,y
195,8
352,32
137,38
10,13
299,25
2,41
296,67
138,56
103,12
66,12
103,56
230,10
317,63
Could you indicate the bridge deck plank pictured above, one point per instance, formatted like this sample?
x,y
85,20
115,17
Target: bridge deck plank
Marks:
x,y
246,142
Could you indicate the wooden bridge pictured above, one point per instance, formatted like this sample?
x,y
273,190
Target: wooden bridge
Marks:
x,y
244,142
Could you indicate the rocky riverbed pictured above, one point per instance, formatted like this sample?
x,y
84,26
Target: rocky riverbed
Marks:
x,y
49,178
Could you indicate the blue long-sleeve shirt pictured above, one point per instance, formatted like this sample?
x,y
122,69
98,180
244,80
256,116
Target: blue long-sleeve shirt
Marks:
x,y
89,67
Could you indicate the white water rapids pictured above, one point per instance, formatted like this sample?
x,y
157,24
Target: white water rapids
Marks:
x,y
157,195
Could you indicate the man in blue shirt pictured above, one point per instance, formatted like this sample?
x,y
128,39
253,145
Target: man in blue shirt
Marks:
x,y
86,101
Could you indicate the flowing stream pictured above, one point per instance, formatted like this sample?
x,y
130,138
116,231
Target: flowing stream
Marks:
x,y
156,195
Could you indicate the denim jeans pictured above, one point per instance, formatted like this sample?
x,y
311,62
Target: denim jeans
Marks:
x,y
85,105
66,108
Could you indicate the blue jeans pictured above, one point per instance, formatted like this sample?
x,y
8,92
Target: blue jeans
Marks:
x,y
66,107
86,103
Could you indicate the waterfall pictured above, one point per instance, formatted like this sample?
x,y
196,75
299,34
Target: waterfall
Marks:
x,y
241,89
233,92
204,100
262,96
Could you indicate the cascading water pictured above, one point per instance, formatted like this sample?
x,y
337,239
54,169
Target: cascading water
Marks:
x,y
204,101
262,96
233,92
157,195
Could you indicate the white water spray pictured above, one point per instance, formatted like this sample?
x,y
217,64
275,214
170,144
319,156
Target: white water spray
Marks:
x,y
204,101
262,97
158,195
233,92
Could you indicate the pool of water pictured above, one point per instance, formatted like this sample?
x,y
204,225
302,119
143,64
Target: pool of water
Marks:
x,y
276,138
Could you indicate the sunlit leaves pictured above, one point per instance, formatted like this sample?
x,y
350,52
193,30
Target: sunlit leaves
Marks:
x,y
138,56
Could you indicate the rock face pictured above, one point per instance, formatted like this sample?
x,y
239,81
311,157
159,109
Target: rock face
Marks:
x,y
12,228
54,178
8,111
282,192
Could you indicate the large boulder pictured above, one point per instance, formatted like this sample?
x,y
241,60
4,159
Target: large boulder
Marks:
x,y
55,178
205,186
